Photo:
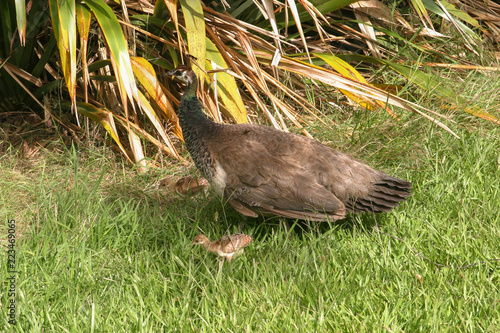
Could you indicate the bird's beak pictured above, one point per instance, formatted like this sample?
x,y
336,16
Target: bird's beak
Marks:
x,y
170,73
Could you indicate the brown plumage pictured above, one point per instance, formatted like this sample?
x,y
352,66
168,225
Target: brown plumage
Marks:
x,y
187,186
226,246
261,170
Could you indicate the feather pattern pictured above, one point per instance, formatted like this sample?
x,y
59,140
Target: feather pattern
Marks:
x,y
227,246
261,170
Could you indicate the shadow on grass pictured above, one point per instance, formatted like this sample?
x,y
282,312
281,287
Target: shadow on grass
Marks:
x,y
161,212
262,226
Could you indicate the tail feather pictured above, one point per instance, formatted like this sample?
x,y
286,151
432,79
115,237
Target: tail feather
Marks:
x,y
383,189
384,195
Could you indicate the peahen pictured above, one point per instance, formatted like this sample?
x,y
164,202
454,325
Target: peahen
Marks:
x,y
262,170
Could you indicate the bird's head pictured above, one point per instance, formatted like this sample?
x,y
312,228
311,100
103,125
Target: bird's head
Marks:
x,y
201,240
183,73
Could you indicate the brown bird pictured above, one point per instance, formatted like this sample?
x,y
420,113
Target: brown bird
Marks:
x,y
226,246
262,170
187,186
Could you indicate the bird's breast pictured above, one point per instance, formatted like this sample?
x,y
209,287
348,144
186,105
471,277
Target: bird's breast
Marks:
x,y
219,178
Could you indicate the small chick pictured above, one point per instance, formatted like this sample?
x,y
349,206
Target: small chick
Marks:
x,y
226,246
186,186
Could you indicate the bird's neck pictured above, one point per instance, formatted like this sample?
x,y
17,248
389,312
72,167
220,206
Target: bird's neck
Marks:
x,y
197,129
212,247
191,87
207,246
190,110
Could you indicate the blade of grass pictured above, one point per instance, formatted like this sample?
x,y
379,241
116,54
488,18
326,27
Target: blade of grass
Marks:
x,y
324,7
422,12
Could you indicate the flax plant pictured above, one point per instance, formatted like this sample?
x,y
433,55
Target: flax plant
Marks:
x,y
106,60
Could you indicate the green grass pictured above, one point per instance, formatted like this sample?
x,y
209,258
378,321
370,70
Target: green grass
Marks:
x,y
100,250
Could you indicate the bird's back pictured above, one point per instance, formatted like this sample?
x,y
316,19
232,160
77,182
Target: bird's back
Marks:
x,y
276,172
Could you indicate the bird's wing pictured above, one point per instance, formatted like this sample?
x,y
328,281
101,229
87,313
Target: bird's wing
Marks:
x,y
280,173
227,243
273,176
232,243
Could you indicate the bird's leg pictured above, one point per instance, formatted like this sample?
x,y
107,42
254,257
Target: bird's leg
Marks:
x,y
241,225
287,225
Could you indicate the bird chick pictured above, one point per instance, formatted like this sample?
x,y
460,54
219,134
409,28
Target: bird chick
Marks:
x,y
226,246
185,186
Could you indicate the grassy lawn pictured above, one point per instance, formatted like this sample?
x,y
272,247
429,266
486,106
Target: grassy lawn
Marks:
x,y
100,249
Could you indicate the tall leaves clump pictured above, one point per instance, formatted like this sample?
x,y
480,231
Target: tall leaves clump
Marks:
x,y
109,56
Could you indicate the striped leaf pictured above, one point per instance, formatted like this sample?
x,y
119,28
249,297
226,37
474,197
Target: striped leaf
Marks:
x,y
21,20
83,18
118,47
195,29
63,16
427,82
105,119
147,77
226,86
343,68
